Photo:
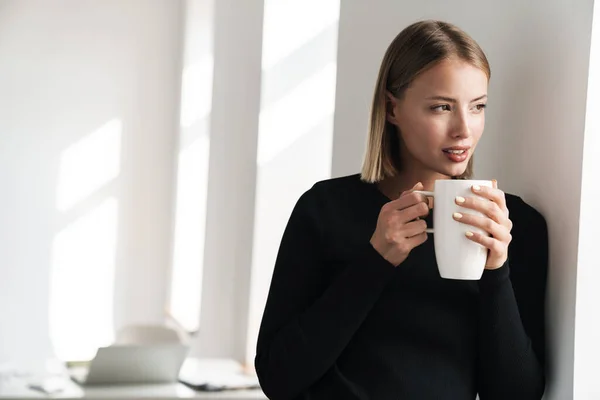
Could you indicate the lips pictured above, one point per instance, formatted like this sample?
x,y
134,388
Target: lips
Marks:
x,y
452,151
456,149
457,154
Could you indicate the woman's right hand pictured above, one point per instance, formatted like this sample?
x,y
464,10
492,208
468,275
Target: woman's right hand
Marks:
x,y
398,230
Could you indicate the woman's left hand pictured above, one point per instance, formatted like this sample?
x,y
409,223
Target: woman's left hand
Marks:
x,y
495,221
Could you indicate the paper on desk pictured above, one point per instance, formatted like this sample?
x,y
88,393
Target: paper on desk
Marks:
x,y
45,376
220,374
49,385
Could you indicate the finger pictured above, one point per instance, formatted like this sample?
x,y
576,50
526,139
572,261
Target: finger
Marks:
x,y
406,201
494,194
414,228
495,183
417,240
484,206
490,226
417,210
418,186
495,246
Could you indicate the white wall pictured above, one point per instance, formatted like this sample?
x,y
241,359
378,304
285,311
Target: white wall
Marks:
x,y
272,105
66,69
533,142
295,131
231,178
587,328
220,255
192,165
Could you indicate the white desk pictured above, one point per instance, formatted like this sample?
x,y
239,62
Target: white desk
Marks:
x,y
20,391
15,380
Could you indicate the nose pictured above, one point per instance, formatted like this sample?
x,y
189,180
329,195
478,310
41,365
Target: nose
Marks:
x,y
460,126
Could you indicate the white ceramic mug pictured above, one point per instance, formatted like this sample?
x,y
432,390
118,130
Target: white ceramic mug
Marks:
x,y
457,257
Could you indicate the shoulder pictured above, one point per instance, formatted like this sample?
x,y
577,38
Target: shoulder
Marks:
x,y
328,191
335,201
338,185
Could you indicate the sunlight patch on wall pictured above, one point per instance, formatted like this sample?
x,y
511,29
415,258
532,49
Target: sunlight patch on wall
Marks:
x,y
89,164
190,220
301,109
196,91
288,24
82,284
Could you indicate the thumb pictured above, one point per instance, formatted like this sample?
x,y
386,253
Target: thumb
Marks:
x,y
418,186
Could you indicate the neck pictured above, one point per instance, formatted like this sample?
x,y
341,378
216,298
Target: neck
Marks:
x,y
405,180
413,172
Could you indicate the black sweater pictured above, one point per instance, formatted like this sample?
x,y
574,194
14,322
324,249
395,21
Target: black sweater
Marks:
x,y
342,323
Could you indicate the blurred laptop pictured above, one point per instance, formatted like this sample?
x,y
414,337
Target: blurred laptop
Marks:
x,y
133,364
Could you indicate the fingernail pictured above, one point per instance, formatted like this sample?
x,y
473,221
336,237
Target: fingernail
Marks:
x,y
457,215
460,199
476,188
469,234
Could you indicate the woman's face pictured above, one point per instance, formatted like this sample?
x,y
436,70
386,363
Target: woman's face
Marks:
x,y
441,117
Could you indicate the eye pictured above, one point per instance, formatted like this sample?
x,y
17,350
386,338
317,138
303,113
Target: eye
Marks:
x,y
480,107
441,107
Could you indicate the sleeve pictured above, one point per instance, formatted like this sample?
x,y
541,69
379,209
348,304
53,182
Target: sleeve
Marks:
x,y
512,322
309,317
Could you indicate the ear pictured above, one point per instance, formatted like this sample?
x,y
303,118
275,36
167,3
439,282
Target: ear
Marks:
x,y
390,108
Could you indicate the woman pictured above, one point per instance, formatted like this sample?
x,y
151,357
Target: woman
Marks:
x,y
356,308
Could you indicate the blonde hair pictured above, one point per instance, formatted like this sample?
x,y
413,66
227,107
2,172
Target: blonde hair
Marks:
x,y
417,48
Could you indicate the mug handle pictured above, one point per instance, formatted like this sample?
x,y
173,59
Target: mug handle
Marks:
x,y
428,194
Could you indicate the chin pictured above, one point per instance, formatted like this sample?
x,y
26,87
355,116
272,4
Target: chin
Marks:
x,y
454,170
